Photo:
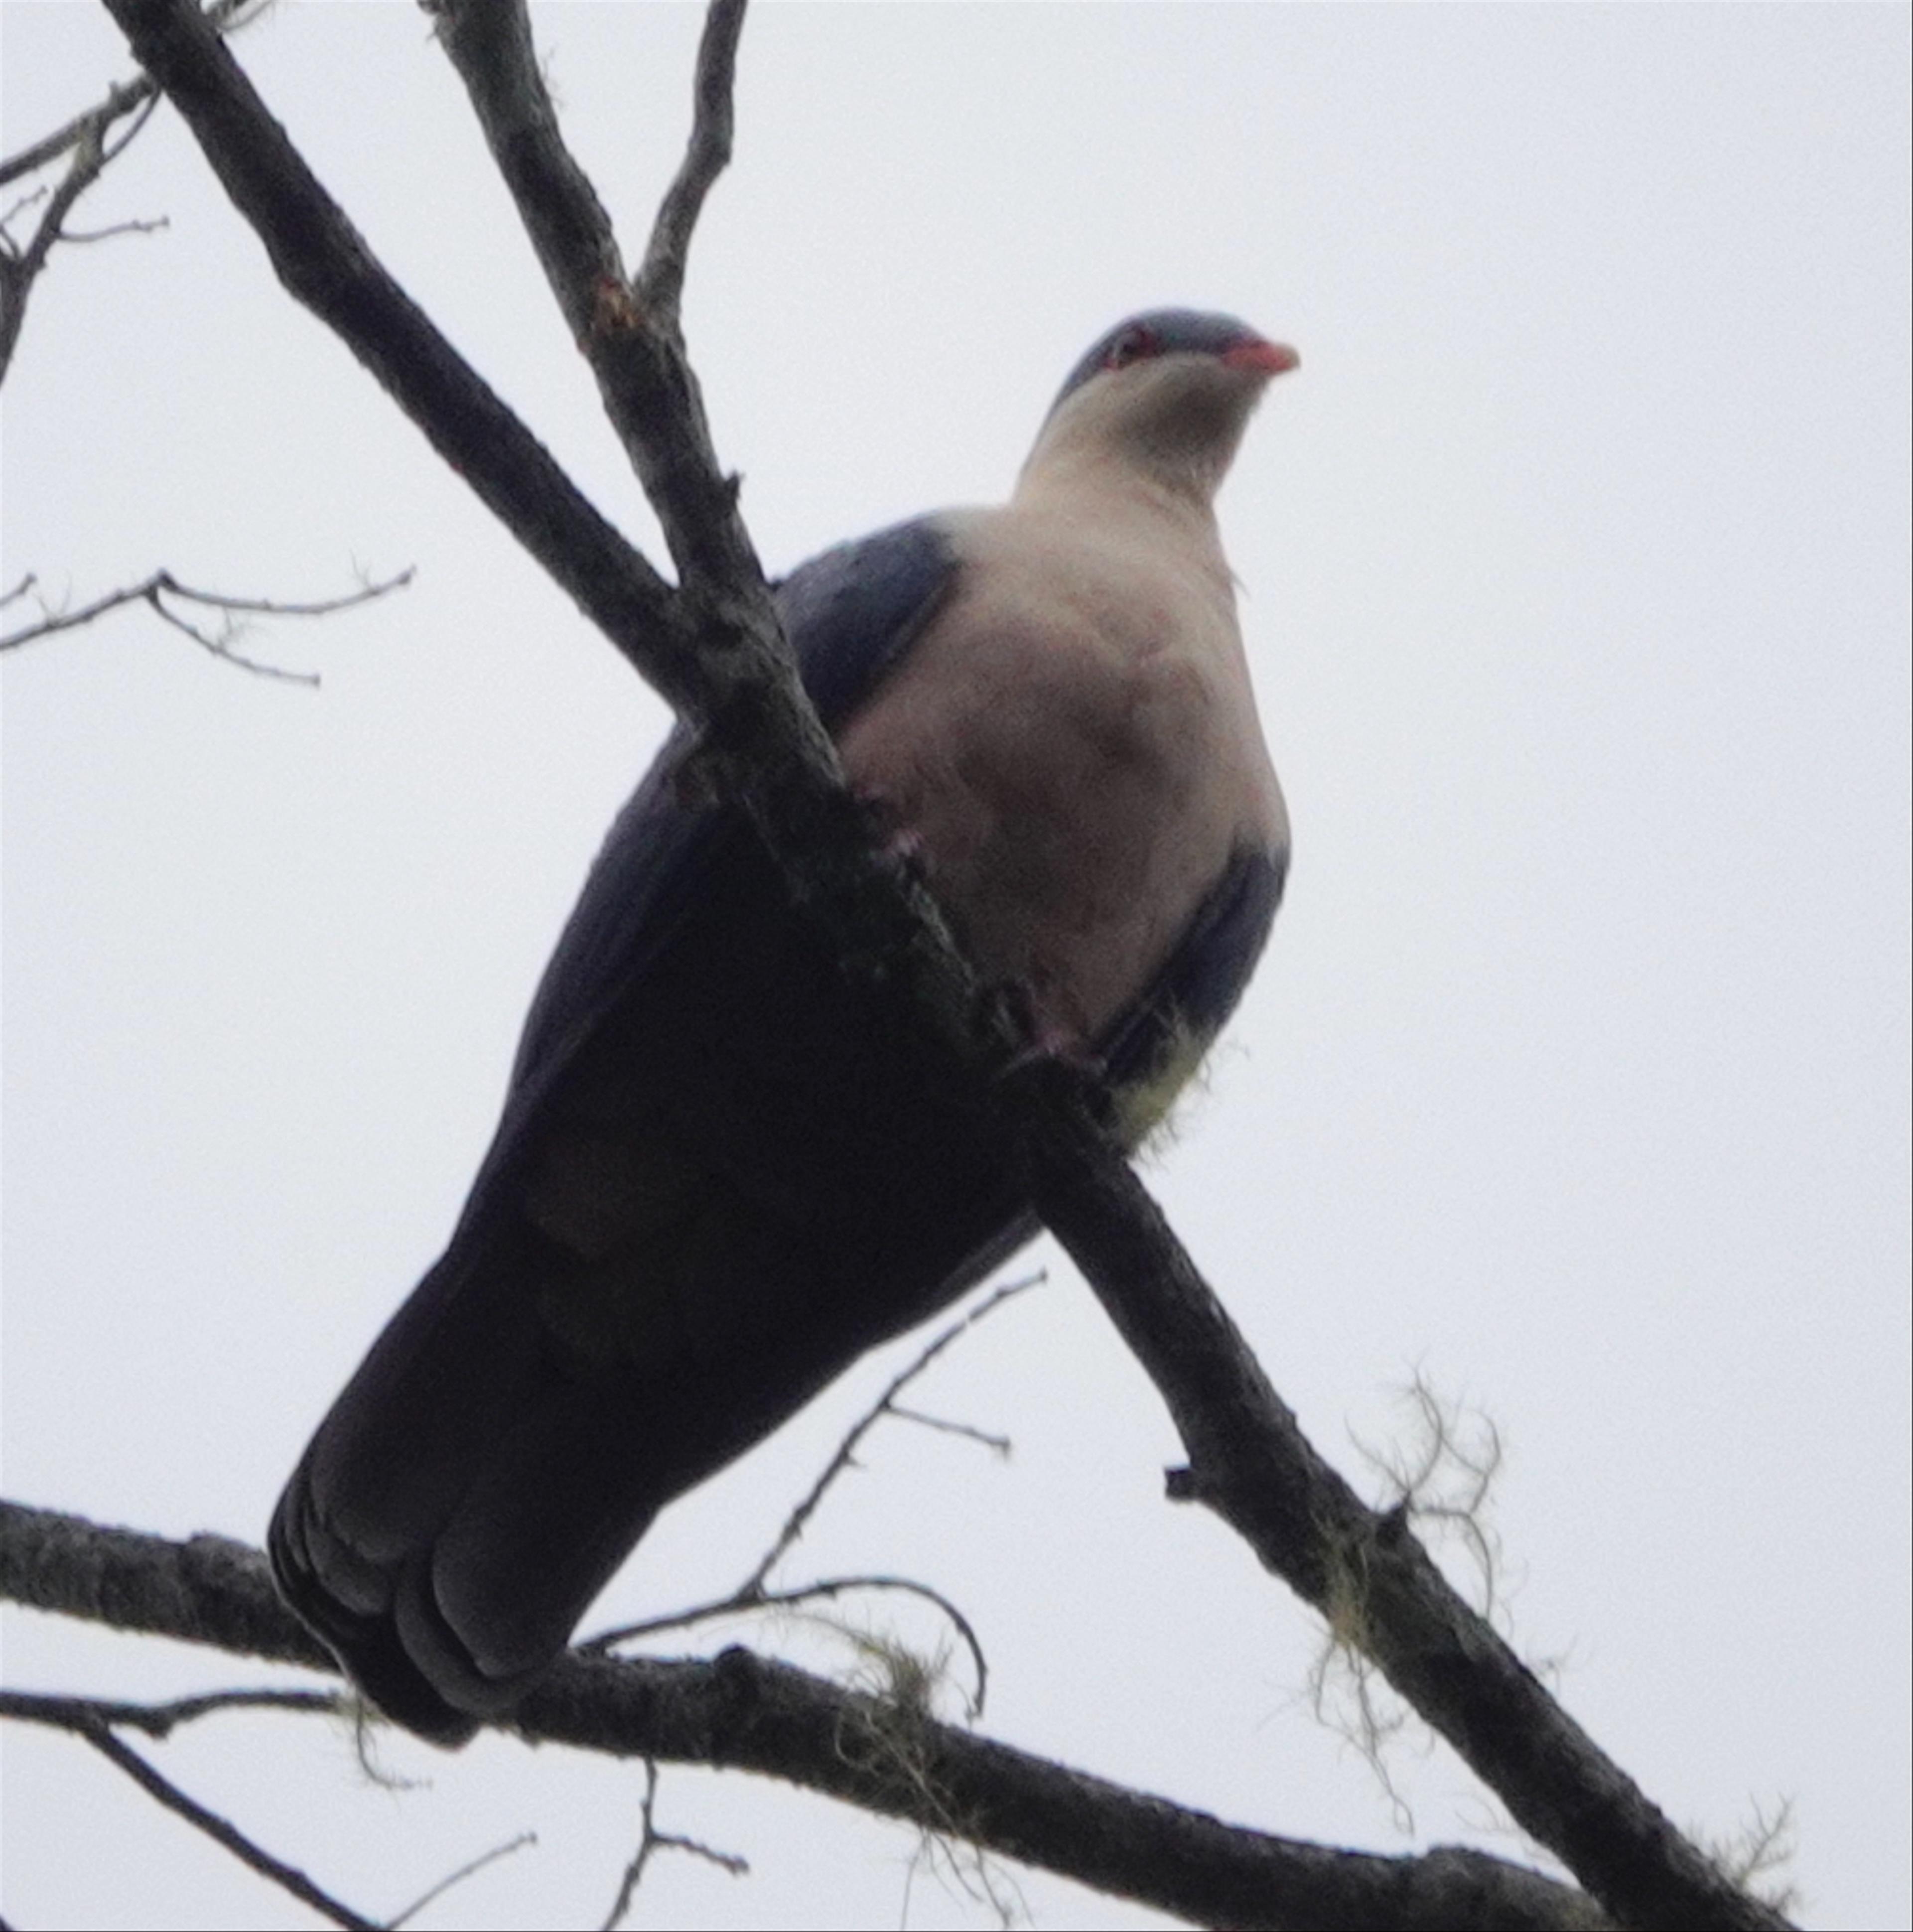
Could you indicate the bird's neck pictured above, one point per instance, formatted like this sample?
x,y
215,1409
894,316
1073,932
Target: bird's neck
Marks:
x,y
1094,472
1087,481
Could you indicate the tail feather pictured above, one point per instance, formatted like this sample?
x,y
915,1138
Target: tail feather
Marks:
x,y
494,1461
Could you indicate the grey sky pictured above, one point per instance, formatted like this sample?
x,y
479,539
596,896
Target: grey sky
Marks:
x,y
1575,578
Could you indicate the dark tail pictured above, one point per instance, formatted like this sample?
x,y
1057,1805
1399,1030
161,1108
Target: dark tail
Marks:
x,y
470,1492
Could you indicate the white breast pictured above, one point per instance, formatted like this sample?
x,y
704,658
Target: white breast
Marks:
x,y
1073,744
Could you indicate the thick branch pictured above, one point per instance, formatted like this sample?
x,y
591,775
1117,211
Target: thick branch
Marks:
x,y
740,1712
764,745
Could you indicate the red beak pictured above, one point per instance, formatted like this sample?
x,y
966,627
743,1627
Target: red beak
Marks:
x,y
1272,358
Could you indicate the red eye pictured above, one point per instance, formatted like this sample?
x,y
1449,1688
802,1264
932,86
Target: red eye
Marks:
x,y
1131,346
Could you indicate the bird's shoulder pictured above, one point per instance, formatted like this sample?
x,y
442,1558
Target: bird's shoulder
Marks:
x,y
850,614
853,611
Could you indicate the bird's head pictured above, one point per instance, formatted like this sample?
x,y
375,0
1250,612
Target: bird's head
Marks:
x,y
1169,392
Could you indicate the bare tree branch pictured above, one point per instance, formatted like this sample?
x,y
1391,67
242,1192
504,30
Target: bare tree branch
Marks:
x,y
161,1720
714,649
753,1593
120,100
651,1840
739,1712
154,590
885,1405
944,1425
84,137
76,1715
152,226
707,155
458,1877
19,267
629,334
825,1589
325,264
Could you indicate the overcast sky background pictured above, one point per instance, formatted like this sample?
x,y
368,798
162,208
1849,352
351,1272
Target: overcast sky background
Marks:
x,y
1575,578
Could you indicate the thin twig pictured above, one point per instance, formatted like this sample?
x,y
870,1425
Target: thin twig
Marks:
x,y
92,1720
255,1857
147,108
794,1524
154,590
221,647
650,1840
121,99
752,1594
943,1425
19,208
463,1872
758,1598
106,234
325,264
20,268
85,138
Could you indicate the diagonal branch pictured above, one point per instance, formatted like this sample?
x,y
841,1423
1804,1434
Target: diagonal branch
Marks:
x,y
223,1833
739,1712
469,1869
717,657
885,1405
75,1715
715,652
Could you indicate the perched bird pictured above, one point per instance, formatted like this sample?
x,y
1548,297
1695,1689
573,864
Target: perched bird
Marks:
x,y
725,1169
